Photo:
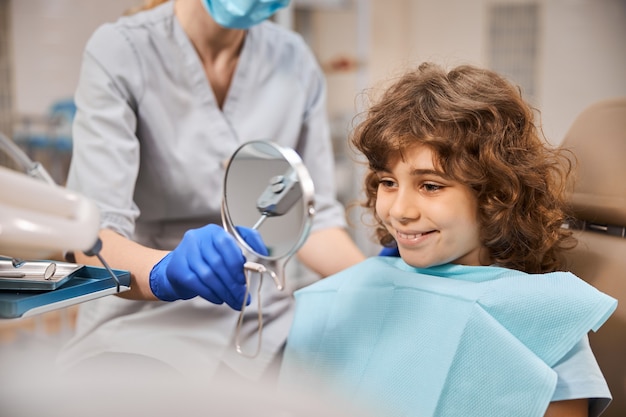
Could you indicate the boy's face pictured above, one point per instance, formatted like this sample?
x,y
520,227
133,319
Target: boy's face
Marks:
x,y
432,218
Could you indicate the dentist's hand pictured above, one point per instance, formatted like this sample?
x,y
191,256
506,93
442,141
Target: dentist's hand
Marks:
x,y
253,239
207,263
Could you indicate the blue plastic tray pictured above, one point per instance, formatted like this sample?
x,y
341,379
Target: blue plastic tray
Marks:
x,y
86,284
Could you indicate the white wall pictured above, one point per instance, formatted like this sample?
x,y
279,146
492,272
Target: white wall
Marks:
x,y
48,39
582,55
582,52
583,58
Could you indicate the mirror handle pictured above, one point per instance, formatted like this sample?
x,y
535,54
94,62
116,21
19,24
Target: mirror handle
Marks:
x,y
249,268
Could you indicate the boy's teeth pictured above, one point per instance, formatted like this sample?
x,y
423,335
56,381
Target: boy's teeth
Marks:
x,y
407,236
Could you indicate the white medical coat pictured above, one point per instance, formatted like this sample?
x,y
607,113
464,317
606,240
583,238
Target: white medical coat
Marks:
x,y
150,146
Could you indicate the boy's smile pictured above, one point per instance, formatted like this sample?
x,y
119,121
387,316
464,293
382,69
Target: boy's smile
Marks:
x,y
432,217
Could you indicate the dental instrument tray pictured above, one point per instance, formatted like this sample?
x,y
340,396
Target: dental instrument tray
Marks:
x,y
83,284
35,275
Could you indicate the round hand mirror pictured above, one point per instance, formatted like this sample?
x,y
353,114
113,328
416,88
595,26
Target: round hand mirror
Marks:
x,y
268,188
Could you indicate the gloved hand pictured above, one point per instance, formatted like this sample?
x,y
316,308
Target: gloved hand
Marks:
x,y
206,263
393,251
253,239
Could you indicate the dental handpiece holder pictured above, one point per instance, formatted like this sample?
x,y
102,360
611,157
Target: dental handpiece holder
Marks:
x,y
40,220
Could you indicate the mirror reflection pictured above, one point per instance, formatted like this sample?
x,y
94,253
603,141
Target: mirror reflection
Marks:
x,y
268,189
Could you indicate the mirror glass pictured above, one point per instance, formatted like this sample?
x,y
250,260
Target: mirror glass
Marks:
x,y
268,188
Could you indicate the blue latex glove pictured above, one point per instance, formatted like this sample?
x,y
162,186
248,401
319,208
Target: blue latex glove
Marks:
x,y
253,239
393,251
206,263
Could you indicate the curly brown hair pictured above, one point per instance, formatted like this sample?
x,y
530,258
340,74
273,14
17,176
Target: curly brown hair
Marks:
x,y
483,135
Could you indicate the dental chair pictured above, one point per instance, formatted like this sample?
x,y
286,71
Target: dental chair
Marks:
x,y
598,139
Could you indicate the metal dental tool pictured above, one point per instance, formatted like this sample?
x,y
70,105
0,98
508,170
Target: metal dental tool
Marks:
x,y
17,262
280,195
48,272
19,268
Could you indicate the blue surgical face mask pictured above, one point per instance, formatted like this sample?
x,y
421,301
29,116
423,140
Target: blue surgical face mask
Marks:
x,y
242,14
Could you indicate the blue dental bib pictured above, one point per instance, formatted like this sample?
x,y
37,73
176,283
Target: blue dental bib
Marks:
x,y
450,340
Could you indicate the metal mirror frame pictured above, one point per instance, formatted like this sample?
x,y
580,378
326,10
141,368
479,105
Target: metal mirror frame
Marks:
x,y
277,263
274,266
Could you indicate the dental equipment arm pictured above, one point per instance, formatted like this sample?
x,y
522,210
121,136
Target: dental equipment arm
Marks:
x,y
31,168
39,220
280,195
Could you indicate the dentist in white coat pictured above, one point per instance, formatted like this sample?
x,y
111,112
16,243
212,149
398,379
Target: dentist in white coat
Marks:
x,y
165,96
